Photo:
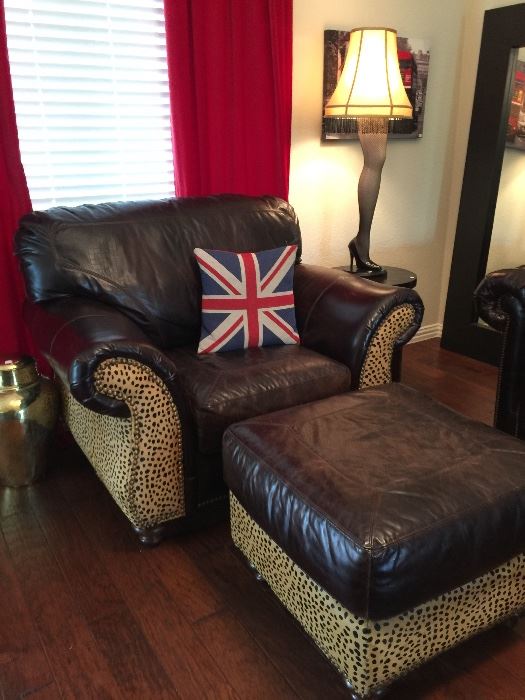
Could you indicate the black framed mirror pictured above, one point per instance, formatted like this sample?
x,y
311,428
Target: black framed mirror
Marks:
x,y
503,35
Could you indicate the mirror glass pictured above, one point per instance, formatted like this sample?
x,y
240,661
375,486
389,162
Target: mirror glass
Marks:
x,y
507,244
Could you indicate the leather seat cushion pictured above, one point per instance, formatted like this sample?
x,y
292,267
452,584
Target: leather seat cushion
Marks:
x,y
223,388
385,497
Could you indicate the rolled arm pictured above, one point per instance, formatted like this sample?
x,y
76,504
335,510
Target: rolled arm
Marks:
x,y
355,321
500,299
120,402
78,335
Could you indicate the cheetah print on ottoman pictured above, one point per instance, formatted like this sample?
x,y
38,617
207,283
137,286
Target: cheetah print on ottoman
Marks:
x,y
377,367
372,653
139,459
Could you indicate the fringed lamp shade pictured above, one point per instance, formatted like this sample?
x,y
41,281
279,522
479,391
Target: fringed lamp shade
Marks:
x,y
370,84
369,96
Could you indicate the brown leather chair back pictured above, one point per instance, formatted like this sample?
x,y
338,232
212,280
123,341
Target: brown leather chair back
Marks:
x,y
138,256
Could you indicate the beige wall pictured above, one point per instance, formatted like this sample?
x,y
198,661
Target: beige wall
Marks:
x,y
415,219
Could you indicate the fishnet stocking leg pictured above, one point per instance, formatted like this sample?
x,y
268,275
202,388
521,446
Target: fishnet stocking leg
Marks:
x,y
372,133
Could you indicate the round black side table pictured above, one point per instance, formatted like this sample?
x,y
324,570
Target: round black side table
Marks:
x,y
395,276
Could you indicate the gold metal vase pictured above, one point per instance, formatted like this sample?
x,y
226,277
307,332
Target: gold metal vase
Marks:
x,y
28,412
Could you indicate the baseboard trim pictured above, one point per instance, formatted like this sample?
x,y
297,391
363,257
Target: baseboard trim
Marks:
x,y
433,330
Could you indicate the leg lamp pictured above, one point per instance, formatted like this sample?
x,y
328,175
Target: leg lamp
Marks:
x,y
369,92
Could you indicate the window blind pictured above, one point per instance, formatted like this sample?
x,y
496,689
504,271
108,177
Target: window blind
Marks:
x,y
90,84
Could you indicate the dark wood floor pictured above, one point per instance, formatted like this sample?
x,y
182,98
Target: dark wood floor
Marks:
x,y
86,613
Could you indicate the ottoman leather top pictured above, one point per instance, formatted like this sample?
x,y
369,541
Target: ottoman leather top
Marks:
x,y
385,497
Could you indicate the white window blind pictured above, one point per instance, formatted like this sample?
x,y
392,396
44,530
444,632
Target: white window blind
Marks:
x,y
90,83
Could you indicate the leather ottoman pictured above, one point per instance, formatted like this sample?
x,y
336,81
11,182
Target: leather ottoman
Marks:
x,y
391,527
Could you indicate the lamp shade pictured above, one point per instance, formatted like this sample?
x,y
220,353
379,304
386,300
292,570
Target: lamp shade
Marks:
x,y
370,84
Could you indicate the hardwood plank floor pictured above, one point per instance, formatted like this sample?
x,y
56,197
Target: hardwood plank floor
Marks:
x,y
85,612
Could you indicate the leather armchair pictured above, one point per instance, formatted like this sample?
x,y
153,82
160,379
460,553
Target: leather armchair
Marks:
x,y
500,300
114,304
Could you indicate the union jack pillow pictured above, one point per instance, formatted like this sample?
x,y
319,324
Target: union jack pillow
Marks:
x,y
247,299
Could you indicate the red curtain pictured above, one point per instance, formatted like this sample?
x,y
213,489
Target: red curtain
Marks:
x,y
14,203
230,72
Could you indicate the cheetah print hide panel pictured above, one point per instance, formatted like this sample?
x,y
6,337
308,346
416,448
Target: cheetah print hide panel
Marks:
x,y
370,653
377,367
139,459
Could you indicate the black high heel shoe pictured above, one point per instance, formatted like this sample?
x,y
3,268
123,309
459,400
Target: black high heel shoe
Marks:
x,y
364,266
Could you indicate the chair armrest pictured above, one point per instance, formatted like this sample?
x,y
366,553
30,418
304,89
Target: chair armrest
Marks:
x,y
340,315
501,296
500,299
76,335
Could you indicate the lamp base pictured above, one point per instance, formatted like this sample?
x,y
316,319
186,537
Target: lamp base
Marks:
x,y
381,272
394,277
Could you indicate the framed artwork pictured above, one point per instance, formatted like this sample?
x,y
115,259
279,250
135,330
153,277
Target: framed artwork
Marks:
x,y
414,59
516,123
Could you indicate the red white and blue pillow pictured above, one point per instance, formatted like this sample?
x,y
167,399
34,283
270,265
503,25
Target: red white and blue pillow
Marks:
x,y
247,299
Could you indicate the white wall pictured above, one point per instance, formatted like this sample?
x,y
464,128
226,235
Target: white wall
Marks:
x,y
409,224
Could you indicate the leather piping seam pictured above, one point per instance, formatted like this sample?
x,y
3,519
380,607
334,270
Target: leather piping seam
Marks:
x,y
316,302
392,617
369,549
98,276
300,496
151,317
450,518
69,323
370,558
162,218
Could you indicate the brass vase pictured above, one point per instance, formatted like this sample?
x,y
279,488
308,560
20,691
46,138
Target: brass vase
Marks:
x,y
28,412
